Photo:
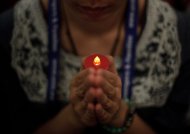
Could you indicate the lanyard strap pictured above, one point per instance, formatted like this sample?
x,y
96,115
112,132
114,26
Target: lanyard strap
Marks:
x,y
131,23
129,51
54,47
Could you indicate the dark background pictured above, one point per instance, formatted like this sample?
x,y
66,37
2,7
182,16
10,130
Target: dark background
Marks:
x,y
181,5
6,4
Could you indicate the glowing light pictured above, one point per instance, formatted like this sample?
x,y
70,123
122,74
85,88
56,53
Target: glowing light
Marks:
x,y
97,61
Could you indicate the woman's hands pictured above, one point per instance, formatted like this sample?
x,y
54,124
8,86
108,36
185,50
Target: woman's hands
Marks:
x,y
96,97
108,95
81,97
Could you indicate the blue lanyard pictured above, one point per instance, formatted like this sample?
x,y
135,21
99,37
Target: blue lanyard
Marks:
x,y
54,47
128,53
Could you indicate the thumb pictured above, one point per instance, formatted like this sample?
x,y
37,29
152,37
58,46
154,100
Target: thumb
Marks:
x,y
112,67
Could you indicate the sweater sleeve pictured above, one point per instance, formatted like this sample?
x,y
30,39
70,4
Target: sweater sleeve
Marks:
x,y
172,117
19,114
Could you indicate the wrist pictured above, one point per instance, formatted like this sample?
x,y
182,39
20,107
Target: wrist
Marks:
x,y
120,116
124,122
74,119
64,122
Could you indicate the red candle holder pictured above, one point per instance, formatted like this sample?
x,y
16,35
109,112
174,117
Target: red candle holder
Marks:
x,y
97,61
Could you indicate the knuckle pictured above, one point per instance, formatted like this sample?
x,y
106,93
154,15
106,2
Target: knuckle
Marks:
x,y
109,107
80,93
111,93
104,85
116,108
112,80
103,116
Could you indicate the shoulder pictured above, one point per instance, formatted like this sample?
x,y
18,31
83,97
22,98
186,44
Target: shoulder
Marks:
x,y
164,15
162,7
162,18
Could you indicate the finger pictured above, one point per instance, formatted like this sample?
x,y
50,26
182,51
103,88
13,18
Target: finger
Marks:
x,y
89,116
86,113
90,95
112,67
80,91
79,95
78,79
80,107
81,77
109,105
107,88
90,112
103,116
112,78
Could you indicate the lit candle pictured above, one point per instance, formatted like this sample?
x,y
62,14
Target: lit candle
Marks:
x,y
97,61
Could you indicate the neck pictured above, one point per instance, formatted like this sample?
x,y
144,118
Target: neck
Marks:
x,y
91,34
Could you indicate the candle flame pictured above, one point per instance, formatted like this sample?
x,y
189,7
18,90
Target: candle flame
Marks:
x,y
97,61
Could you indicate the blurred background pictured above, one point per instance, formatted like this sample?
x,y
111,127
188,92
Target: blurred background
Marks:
x,y
6,4
181,5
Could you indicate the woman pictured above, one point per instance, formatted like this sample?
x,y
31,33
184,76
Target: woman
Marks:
x,y
88,100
